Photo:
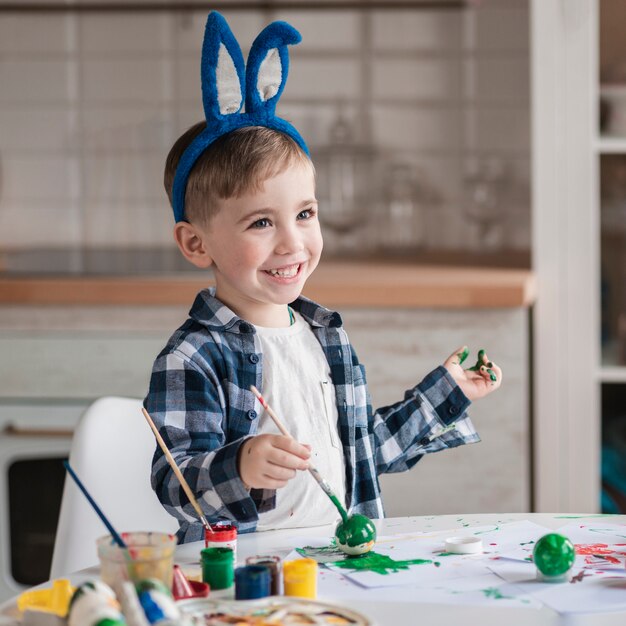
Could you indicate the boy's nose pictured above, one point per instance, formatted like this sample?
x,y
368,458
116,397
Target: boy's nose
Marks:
x,y
288,241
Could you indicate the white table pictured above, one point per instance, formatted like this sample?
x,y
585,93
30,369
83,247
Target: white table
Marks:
x,y
403,613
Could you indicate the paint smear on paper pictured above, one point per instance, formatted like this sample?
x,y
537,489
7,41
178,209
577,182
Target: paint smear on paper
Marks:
x,y
378,563
370,562
495,593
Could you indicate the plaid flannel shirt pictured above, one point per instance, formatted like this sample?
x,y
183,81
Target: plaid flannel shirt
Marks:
x,y
200,400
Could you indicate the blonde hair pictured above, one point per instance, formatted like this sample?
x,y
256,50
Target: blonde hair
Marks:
x,y
234,164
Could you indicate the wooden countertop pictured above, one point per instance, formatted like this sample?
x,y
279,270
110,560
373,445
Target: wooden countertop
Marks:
x,y
334,284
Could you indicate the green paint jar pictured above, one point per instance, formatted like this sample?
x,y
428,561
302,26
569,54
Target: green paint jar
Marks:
x,y
218,567
554,556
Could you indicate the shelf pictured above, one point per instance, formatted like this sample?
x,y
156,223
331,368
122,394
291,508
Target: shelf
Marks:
x,y
611,370
612,374
610,145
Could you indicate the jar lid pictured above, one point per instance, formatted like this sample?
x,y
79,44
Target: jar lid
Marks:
x,y
227,532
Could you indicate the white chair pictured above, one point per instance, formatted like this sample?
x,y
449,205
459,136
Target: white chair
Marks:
x,y
111,453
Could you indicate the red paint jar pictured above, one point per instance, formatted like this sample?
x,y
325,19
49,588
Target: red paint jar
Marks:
x,y
223,536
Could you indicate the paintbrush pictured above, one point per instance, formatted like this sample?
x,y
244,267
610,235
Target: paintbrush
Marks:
x,y
170,459
321,481
116,537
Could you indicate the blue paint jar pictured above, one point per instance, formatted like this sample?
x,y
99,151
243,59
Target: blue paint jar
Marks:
x,y
252,581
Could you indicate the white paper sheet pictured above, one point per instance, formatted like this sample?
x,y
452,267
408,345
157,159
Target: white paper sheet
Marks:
x,y
597,581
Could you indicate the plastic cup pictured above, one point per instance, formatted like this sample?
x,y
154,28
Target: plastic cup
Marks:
x,y
149,555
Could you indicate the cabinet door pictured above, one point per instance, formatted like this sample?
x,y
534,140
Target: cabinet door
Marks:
x,y
399,347
79,365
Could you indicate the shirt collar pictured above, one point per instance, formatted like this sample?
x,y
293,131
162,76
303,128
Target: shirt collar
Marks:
x,y
214,315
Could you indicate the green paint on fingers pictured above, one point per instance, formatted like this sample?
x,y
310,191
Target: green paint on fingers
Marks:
x,y
463,355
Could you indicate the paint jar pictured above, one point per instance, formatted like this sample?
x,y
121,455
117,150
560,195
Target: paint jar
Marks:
x,y
251,582
300,578
149,555
217,567
274,565
223,536
554,556
94,603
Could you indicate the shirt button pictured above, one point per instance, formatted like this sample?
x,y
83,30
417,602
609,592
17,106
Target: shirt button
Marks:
x,y
254,358
453,410
244,328
251,414
424,441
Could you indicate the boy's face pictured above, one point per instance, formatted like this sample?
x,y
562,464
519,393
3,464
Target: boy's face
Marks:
x,y
264,245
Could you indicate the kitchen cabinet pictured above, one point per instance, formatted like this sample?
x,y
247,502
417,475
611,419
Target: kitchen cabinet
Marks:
x,y
578,257
398,347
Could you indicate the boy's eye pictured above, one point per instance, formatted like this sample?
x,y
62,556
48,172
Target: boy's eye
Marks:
x,y
306,214
260,223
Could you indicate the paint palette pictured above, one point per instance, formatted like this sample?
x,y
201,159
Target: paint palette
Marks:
x,y
272,611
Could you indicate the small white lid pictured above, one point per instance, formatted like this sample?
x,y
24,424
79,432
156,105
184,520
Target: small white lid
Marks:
x,y
464,545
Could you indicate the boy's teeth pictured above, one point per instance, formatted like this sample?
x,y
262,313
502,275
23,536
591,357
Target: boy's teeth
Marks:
x,y
286,273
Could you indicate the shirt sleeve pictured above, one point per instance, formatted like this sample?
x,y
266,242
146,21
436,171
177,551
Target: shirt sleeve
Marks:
x,y
431,417
187,406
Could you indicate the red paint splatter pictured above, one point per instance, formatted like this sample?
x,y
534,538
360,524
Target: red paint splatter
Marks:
x,y
596,550
493,544
592,548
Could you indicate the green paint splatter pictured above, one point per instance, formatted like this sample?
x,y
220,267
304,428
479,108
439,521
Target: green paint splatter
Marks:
x,y
526,543
372,561
492,375
605,531
446,554
324,554
495,593
582,516
482,532
378,563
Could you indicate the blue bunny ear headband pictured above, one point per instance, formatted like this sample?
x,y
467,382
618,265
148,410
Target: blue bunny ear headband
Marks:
x,y
226,82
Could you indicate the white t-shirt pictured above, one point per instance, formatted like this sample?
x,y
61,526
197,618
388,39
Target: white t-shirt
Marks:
x,y
297,385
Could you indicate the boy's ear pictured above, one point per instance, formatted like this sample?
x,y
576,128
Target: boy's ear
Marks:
x,y
191,243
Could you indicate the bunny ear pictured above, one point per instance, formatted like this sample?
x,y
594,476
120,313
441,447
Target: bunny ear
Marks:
x,y
222,70
267,68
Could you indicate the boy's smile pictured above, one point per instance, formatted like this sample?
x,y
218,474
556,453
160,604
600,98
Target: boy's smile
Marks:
x,y
264,245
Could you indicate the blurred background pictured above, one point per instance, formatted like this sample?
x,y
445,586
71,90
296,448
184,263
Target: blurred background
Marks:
x,y
417,114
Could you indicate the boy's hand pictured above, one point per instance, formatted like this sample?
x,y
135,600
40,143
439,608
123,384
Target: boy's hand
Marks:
x,y
269,461
477,381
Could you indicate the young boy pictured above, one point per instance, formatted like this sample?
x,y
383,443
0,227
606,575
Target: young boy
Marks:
x,y
249,214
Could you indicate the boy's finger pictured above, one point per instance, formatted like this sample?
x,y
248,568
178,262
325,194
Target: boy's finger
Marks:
x,y
289,458
497,371
271,483
278,472
291,445
458,356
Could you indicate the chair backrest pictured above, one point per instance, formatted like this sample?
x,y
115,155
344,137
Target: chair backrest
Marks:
x,y
111,453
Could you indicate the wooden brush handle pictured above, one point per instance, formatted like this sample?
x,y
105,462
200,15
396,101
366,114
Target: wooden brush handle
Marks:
x,y
170,459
